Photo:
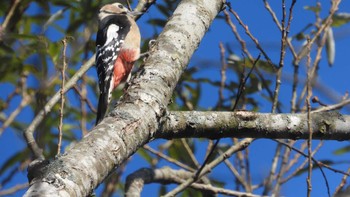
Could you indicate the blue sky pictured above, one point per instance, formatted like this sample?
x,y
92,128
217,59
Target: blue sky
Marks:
x,y
262,27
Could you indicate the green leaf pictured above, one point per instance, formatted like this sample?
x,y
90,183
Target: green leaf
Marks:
x,y
315,9
340,19
20,156
144,154
343,150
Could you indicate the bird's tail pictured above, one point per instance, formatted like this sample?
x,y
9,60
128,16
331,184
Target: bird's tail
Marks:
x,y
102,107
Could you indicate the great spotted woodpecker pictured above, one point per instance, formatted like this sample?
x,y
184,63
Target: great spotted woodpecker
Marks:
x,y
118,47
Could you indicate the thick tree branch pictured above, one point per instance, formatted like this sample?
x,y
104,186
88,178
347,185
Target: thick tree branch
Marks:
x,y
214,125
139,113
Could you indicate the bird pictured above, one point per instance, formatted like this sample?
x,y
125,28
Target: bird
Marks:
x,y
117,48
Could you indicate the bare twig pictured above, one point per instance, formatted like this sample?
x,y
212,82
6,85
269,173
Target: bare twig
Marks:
x,y
143,6
9,98
63,70
13,189
342,183
243,82
333,107
295,159
239,94
234,171
324,26
309,141
283,168
319,164
274,165
238,147
29,133
284,40
247,167
239,162
281,62
294,88
169,159
274,17
223,75
246,52
24,102
26,99
245,27
190,152
10,15
84,98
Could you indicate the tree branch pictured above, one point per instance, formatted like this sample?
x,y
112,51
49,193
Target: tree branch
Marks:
x,y
214,125
135,182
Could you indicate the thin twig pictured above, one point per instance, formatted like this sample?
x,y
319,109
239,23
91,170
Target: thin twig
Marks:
x,y
284,40
29,133
301,166
283,168
238,147
306,49
26,99
223,75
247,169
240,163
242,84
13,189
83,101
9,98
245,27
84,98
63,70
246,52
319,164
294,88
10,15
281,62
24,102
143,6
189,152
237,36
274,165
309,141
325,24
167,158
128,4
342,183
240,92
235,172
274,17
333,107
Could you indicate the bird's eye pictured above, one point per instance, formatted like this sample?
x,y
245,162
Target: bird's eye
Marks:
x,y
120,6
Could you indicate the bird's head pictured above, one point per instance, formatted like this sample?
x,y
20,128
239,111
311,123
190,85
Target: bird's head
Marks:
x,y
115,9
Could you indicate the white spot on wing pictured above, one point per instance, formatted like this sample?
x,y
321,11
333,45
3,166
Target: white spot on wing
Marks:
x,y
112,33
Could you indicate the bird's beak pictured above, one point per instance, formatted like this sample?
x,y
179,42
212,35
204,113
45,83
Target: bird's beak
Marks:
x,y
135,13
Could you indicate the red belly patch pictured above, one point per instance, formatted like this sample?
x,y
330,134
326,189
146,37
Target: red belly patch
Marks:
x,y
123,65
